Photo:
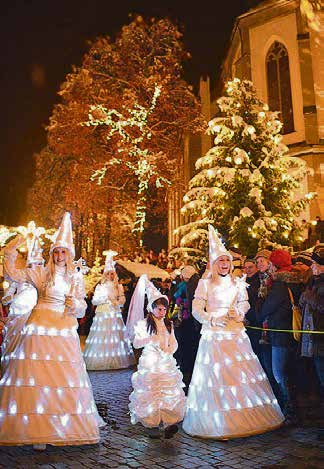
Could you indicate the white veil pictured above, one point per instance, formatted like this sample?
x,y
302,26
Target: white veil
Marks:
x,y
136,307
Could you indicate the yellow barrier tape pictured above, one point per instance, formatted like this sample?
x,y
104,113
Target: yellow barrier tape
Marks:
x,y
285,330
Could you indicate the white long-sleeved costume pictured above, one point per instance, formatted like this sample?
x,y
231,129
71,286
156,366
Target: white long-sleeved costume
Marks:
x,y
22,297
229,395
107,347
158,397
45,392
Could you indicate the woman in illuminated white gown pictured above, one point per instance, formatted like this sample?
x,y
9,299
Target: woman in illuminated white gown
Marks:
x,y
107,347
21,297
229,395
45,392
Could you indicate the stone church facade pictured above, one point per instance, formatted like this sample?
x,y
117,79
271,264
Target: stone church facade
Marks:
x,y
272,46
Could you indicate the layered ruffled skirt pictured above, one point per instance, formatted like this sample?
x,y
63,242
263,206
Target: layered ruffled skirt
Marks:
x,y
229,395
45,392
158,396
107,347
11,336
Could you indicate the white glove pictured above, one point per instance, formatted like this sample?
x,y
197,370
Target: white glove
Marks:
x,y
219,322
70,304
114,301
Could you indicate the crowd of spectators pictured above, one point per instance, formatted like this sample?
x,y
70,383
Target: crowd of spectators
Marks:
x,y
162,259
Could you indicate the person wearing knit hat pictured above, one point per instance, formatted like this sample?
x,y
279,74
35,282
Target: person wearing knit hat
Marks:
x,y
50,398
281,259
284,289
157,400
107,347
263,253
224,399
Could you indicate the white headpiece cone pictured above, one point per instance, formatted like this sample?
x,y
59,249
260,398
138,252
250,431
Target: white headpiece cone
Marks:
x,y
64,236
136,307
35,252
110,263
216,247
152,294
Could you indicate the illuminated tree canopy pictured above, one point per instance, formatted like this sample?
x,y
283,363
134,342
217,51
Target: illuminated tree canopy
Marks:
x,y
120,75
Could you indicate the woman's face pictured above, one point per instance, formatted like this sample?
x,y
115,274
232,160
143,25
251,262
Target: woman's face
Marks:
x,y
222,265
262,264
250,268
60,257
159,311
110,276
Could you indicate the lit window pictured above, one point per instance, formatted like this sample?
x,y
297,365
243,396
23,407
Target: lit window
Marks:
x,y
278,82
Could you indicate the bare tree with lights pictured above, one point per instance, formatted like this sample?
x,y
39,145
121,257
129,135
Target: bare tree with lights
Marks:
x,y
116,82
133,130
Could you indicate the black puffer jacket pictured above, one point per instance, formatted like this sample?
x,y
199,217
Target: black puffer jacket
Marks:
x,y
254,284
277,310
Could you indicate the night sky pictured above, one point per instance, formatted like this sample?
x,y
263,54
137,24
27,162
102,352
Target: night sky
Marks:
x,y
42,39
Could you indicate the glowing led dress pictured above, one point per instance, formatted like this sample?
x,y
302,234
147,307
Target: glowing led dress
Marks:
x,y
45,392
24,298
107,347
229,395
158,397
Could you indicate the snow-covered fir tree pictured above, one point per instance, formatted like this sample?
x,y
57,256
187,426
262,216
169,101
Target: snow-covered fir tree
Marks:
x,y
246,185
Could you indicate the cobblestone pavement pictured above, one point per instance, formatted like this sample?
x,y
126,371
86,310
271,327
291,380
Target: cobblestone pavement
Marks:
x,y
125,446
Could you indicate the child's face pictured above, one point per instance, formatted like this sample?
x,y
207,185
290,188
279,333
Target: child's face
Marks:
x,y
159,311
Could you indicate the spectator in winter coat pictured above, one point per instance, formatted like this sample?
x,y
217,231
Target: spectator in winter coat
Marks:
x,y
294,276
265,268
277,310
312,305
187,332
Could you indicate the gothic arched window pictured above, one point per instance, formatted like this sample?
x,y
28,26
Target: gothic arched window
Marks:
x,y
279,89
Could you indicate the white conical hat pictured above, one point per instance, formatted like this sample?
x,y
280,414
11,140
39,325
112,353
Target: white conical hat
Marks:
x,y
136,307
216,247
152,294
35,252
110,263
64,235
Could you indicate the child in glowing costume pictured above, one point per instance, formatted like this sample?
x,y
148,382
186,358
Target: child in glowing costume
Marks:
x,y
229,395
45,392
158,399
107,348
